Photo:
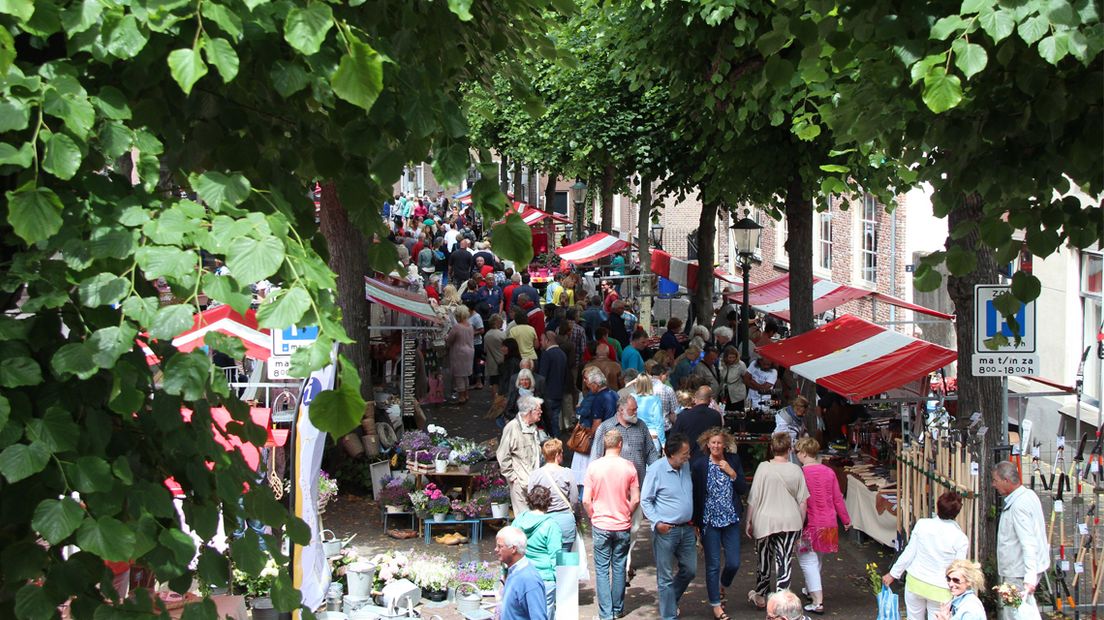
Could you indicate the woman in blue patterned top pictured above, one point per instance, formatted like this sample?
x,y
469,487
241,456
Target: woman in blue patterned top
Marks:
x,y
718,483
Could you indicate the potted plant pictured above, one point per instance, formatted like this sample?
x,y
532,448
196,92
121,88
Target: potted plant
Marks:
x,y
433,576
481,503
465,509
327,491
480,574
499,494
395,494
438,507
430,501
257,588
441,462
456,506
465,460
390,566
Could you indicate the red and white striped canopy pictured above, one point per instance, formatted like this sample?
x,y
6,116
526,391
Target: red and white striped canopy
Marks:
x,y
226,320
685,272
592,248
773,297
395,298
857,359
532,215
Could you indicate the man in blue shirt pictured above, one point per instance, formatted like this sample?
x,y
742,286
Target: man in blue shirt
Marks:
x,y
663,499
630,357
523,593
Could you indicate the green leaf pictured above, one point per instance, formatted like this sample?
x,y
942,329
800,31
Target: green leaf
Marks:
x,y
126,39
141,309
338,411
251,260
227,344
73,359
1054,47
975,6
359,76
285,310
171,321
63,156
947,26
461,8
180,544
835,168
21,157
21,461
288,78
926,278
219,190
14,115
941,91
115,139
165,261
106,537
186,375
81,16
5,411
186,67
970,58
56,430
1026,287
225,290
305,28
513,240
226,19
1033,28
997,24
19,371
298,531
284,595
109,343
56,519
112,103
961,261
222,55
35,214
779,71
102,289
33,601
21,9
91,474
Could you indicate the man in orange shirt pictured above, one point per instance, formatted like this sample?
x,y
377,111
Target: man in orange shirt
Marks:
x,y
610,496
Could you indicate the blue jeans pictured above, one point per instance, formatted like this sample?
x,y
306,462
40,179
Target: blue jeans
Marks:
x,y
677,546
550,598
713,539
552,409
611,550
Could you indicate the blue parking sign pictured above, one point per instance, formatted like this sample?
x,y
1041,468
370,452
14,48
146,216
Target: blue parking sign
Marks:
x,y
286,341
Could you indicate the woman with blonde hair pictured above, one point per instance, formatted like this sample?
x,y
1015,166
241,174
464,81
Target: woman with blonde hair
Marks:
x,y
825,505
649,408
718,481
450,296
965,580
776,513
461,351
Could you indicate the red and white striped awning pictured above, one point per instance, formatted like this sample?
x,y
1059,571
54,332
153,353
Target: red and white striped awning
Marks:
x,y
685,272
592,248
532,215
395,298
226,320
773,297
858,359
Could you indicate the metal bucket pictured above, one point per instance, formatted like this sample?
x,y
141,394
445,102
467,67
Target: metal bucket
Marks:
x,y
468,597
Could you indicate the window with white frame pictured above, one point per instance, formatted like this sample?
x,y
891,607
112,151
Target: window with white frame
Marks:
x,y
782,234
868,230
1092,267
824,240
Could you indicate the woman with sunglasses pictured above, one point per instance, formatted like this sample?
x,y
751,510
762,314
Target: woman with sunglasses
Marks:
x,y
965,580
933,545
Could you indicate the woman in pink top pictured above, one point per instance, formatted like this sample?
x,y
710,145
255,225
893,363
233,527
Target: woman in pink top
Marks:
x,y
821,533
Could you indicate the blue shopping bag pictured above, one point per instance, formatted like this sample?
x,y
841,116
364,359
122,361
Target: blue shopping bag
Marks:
x,y
888,607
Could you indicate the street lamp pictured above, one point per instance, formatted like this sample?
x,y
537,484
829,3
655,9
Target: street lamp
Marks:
x,y
745,233
657,235
578,195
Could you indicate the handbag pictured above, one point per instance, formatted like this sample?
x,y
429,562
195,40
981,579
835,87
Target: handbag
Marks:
x,y
580,439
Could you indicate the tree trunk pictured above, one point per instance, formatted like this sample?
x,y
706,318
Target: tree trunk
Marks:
x,y
799,245
504,174
643,240
349,260
519,190
550,193
702,299
976,393
606,197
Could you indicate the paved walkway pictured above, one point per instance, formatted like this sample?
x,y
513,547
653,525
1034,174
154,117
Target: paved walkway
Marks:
x,y
846,591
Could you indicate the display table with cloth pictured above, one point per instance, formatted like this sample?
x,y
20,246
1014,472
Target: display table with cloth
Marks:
x,y
871,513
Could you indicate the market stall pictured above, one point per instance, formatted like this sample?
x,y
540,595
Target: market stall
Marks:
x,y
544,229
599,245
685,272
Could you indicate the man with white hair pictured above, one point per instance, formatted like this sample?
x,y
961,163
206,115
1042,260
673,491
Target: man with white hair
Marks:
x,y
784,605
722,337
1023,553
523,593
519,450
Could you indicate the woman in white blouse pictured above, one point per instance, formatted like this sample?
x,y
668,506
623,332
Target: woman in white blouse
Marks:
x,y
934,544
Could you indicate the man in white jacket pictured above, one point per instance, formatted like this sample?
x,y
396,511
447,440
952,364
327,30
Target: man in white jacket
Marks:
x,y
1023,552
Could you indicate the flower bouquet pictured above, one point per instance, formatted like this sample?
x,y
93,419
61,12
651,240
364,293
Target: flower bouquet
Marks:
x,y
340,563
433,575
389,567
395,493
438,435
256,586
1008,595
327,491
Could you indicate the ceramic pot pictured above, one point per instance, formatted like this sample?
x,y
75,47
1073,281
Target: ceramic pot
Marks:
x,y
437,596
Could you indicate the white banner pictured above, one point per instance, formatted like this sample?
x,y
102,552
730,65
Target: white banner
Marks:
x,y
310,567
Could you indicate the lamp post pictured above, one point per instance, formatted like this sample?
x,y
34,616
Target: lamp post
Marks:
x,y
657,235
746,236
578,195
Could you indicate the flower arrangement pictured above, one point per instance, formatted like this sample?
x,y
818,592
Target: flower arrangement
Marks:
x,y
431,573
499,491
259,585
396,491
466,458
437,434
430,500
480,483
481,574
874,577
414,441
469,508
327,489
339,565
389,567
1008,595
